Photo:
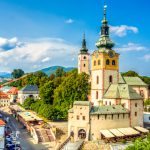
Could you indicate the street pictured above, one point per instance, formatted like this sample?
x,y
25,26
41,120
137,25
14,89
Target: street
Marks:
x,y
26,141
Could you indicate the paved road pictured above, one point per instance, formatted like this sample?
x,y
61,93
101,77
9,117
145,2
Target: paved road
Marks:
x,y
25,139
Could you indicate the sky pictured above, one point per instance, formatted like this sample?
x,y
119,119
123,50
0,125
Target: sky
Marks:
x,y
36,34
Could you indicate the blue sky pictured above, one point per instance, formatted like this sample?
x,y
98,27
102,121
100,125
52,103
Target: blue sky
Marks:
x,y
35,34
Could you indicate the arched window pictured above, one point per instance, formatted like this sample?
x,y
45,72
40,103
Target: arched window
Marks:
x,y
84,57
99,62
96,94
110,79
94,63
84,65
97,79
107,62
113,62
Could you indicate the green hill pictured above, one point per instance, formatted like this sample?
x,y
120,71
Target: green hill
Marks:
x,y
52,69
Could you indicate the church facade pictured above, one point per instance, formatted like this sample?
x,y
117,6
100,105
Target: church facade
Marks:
x,y
116,101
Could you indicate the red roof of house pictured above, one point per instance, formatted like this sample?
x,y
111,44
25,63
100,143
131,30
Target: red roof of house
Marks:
x,y
3,95
2,123
13,91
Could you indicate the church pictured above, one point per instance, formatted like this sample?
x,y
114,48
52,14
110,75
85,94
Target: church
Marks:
x,y
115,101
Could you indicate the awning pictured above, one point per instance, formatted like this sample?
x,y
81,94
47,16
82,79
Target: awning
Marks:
x,y
107,133
128,131
141,129
116,132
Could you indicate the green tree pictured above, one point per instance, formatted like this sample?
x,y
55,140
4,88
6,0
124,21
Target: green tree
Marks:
x,y
130,73
59,72
17,73
28,102
75,87
47,92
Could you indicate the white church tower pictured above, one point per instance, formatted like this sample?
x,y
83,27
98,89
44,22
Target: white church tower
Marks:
x,y
84,58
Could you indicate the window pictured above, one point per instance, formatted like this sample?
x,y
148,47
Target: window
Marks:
x,y
135,104
83,117
109,103
98,117
135,113
142,93
94,63
97,79
96,94
99,62
149,118
107,62
84,65
84,57
105,102
78,117
110,79
113,63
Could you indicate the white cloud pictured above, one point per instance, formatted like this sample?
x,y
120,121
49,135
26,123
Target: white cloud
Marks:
x,y
7,44
122,30
46,59
37,54
69,21
147,57
131,47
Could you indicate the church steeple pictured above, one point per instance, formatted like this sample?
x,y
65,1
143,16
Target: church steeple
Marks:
x,y
84,48
105,41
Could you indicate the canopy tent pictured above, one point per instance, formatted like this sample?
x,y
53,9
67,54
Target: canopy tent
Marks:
x,y
107,134
128,131
140,129
117,133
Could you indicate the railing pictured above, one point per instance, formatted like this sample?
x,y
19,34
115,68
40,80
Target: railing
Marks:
x,y
64,143
80,147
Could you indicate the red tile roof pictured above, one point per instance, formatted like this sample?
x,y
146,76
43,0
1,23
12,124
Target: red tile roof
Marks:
x,y
13,91
3,95
2,123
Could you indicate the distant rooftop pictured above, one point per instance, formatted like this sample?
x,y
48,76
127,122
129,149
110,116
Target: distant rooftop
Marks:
x,y
83,103
30,88
2,123
123,91
134,81
113,109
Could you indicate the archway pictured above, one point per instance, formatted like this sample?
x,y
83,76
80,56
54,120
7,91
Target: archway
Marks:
x,y
82,134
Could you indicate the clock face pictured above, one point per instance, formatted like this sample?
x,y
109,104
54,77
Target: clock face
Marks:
x,y
111,54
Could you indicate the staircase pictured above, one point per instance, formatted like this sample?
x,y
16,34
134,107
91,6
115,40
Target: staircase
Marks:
x,y
44,135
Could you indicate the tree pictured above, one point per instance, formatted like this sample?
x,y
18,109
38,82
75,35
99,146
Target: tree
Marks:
x,y
28,102
17,73
47,92
52,77
140,144
130,73
59,72
75,87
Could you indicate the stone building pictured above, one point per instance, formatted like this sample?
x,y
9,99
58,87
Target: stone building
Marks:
x,y
116,101
31,91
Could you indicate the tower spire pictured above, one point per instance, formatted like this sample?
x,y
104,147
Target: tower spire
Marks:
x,y
84,48
104,40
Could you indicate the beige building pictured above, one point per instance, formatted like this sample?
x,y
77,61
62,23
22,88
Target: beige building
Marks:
x,y
116,101
4,99
31,91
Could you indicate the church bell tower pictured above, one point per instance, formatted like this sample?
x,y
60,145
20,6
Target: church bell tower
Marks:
x,y
84,58
105,64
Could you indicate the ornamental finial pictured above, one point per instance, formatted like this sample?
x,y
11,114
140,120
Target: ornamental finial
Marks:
x,y
105,11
